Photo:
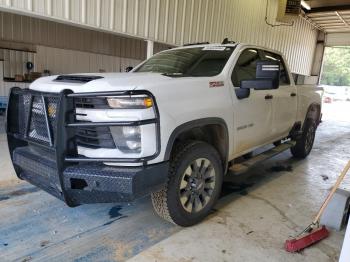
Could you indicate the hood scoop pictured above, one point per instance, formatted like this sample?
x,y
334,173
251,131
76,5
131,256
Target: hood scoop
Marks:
x,y
76,78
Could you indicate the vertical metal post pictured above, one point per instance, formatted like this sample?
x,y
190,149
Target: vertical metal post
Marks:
x,y
150,48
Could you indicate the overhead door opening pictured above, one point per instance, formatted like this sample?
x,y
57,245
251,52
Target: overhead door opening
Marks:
x,y
335,79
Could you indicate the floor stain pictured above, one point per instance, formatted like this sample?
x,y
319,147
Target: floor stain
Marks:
x,y
281,168
324,177
19,192
114,212
112,221
44,243
229,188
4,198
22,192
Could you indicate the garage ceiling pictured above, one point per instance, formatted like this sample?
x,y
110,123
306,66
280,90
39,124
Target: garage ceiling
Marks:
x,y
329,16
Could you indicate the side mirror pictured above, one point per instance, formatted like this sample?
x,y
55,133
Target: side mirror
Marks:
x,y
258,84
267,76
128,69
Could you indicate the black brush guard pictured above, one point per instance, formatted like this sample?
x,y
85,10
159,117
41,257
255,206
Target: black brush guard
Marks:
x,y
41,138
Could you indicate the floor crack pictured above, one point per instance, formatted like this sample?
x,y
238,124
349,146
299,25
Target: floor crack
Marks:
x,y
274,207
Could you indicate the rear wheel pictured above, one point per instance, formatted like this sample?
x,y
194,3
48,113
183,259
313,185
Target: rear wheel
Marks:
x,y
194,184
304,145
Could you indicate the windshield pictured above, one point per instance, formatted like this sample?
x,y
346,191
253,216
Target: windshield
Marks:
x,y
197,61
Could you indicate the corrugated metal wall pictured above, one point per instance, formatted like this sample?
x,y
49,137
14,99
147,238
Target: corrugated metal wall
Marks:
x,y
62,61
183,21
338,39
63,48
15,61
24,29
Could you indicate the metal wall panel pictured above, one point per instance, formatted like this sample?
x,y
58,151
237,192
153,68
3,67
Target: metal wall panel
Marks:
x,y
23,29
182,21
338,39
14,62
64,61
61,61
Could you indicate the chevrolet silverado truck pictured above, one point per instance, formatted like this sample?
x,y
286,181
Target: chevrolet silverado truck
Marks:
x,y
174,127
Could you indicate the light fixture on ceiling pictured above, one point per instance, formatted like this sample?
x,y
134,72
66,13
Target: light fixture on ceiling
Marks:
x,y
305,5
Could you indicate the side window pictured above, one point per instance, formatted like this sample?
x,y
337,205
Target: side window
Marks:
x,y
284,78
245,68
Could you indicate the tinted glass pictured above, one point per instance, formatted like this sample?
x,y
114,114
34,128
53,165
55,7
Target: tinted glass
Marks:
x,y
198,61
284,78
245,68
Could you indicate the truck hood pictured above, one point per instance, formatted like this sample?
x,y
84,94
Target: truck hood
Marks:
x,y
106,82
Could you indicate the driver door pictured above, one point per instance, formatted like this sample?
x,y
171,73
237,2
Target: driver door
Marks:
x,y
253,114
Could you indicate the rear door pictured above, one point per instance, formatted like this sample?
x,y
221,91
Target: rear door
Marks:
x,y
253,114
284,102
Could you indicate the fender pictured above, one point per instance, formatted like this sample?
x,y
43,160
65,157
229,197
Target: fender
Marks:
x,y
198,123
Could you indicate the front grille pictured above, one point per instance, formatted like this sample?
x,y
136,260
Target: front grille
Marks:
x,y
43,109
94,137
34,116
38,125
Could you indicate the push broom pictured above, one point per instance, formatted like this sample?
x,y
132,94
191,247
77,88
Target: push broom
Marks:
x,y
315,232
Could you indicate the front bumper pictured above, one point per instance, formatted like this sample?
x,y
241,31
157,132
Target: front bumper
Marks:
x,y
87,183
53,163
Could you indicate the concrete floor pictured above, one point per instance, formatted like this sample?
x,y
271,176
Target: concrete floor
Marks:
x,y
254,216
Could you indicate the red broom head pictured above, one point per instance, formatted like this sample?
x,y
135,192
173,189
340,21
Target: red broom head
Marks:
x,y
298,244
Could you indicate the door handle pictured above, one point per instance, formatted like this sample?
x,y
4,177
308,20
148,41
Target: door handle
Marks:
x,y
293,94
267,97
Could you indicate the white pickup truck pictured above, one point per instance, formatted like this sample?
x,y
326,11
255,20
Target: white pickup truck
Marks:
x,y
173,127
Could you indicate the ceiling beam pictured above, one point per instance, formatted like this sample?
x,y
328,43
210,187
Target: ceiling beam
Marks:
x,y
342,19
328,9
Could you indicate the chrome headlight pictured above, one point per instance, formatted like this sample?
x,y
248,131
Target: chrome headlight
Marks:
x,y
127,138
135,102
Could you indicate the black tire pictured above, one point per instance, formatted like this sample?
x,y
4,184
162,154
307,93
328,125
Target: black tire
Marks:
x,y
170,202
304,145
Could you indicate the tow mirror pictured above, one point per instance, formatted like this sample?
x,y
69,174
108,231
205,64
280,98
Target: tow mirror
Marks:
x,y
257,84
267,76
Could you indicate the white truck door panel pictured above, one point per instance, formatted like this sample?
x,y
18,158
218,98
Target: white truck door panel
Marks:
x,y
284,107
253,115
253,121
284,102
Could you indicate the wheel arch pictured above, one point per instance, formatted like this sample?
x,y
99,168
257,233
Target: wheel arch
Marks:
x,y
313,112
212,130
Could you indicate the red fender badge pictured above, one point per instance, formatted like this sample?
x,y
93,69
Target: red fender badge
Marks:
x,y
216,84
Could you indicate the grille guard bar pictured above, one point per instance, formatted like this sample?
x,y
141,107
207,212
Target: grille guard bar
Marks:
x,y
66,122
62,145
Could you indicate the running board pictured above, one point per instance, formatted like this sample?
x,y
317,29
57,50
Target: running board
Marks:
x,y
238,169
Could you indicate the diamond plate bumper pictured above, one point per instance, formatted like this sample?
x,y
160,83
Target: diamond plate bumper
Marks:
x,y
88,183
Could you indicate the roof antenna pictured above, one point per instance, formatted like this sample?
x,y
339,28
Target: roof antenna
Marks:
x,y
226,41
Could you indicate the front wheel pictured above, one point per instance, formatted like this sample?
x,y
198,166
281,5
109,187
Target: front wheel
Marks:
x,y
305,143
193,187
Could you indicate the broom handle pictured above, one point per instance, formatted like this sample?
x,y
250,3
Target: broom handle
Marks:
x,y
330,195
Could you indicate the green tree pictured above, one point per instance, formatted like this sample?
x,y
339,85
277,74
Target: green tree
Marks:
x,y
336,66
